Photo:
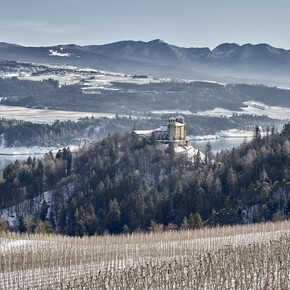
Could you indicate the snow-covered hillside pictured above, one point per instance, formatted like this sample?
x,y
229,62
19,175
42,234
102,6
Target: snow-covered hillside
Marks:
x,y
90,80
46,116
251,108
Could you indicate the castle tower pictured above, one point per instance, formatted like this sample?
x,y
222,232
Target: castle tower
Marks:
x,y
172,129
180,119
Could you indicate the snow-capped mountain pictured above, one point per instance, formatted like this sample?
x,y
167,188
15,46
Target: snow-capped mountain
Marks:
x,y
228,62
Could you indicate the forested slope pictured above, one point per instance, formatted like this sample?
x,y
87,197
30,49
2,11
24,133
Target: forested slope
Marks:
x,y
131,98
123,183
15,133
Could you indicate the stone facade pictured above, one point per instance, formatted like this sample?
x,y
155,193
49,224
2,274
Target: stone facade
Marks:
x,y
173,132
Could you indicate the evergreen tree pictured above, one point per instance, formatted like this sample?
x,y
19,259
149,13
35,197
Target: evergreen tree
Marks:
x,y
197,221
62,217
51,219
213,218
43,210
79,216
153,139
197,160
126,229
21,225
256,216
113,216
90,220
208,153
191,221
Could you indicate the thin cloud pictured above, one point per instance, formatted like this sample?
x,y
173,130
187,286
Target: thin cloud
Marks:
x,y
39,27
56,29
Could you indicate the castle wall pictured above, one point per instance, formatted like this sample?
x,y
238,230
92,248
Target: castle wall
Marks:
x,y
174,131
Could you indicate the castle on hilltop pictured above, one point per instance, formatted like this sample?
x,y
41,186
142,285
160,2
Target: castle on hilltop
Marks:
x,y
174,132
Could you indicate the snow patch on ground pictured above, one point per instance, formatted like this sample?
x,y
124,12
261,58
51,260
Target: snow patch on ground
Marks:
x,y
144,133
234,133
12,214
32,207
204,137
252,108
190,152
56,53
91,81
173,112
48,116
205,81
34,150
216,112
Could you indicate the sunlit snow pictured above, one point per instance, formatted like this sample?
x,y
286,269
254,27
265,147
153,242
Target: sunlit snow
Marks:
x,y
252,108
90,80
56,53
46,116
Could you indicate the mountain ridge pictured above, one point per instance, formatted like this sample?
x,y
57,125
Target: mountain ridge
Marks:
x,y
250,63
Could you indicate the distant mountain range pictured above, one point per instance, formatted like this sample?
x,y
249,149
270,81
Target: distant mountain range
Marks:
x,y
228,62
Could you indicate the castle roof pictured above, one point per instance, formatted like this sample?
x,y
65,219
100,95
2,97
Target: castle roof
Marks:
x,y
172,119
144,133
161,129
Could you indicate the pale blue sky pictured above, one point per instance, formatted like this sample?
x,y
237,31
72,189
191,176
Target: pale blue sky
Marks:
x,y
188,23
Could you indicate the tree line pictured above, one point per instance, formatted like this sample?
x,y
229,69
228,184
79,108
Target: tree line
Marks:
x,y
15,133
128,97
124,184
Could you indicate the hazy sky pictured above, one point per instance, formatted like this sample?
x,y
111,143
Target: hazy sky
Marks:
x,y
188,23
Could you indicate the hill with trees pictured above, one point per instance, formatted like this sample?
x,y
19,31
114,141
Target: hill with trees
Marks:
x,y
16,133
124,184
131,98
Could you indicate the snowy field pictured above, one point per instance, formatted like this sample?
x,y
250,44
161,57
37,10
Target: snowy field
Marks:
x,y
173,112
46,116
239,257
49,116
251,108
95,81
90,80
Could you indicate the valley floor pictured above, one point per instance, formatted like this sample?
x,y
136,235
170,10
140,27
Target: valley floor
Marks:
x,y
239,257
46,116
